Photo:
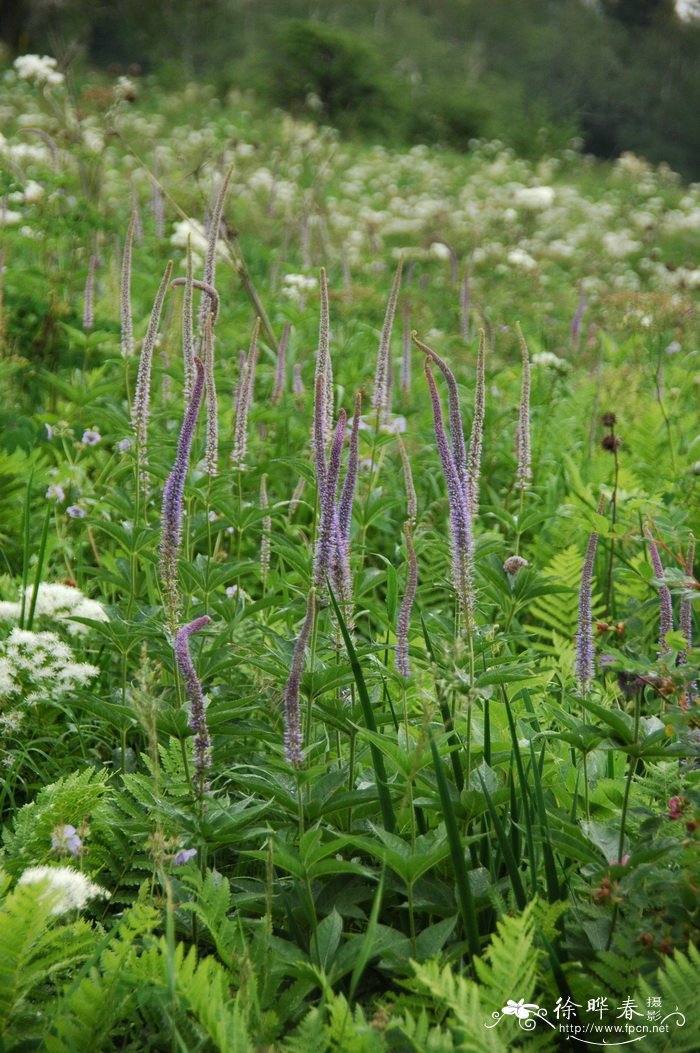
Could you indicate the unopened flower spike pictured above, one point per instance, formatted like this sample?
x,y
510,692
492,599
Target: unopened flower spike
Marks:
x,y
266,530
323,409
280,367
411,499
401,654
127,328
585,650
476,437
328,515
195,694
522,438
455,412
244,401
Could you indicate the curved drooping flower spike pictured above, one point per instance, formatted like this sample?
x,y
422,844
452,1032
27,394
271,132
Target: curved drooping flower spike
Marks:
x,y
127,328
522,436
209,290
293,742
213,240
171,519
476,437
401,653
142,396
685,621
455,413
665,602
187,325
244,401
460,517
585,650
198,709
382,375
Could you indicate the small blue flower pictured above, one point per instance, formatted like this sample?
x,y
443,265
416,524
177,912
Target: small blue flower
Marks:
x,y
76,512
91,437
65,840
184,856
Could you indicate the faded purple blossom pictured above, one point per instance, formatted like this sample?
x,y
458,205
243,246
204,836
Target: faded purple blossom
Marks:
x,y
297,382
55,493
127,329
673,348
676,806
513,564
124,445
184,855
686,612
91,437
171,520
401,654
293,741
75,512
522,437
459,454
665,602
198,715
382,375
65,840
585,650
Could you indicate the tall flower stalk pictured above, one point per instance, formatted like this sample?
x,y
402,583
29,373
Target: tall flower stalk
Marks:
x,y
411,498
266,532
465,301
328,525
280,367
665,602
382,376
172,514
476,436
401,654
195,694
585,650
323,407
293,738
140,411
89,298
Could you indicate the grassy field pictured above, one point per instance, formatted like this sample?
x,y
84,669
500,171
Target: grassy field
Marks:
x,y
339,723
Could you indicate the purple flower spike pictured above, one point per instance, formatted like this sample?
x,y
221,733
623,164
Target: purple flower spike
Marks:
x,y
585,650
327,536
350,482
455,413
171,524
323,406
244,400
411,498
406,348
401,653
198,715
460,517
293,742
686,611
665,602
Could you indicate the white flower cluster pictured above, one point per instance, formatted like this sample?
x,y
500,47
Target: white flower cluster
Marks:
x,y
38,667
70,889
58,602
294,286
40,69
534,196
192,229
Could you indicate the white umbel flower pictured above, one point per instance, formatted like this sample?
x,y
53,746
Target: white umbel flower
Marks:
x,y
71,889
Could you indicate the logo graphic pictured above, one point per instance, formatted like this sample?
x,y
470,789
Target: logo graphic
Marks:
x,y
628,1022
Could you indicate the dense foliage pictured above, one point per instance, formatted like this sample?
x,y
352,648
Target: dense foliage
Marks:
x,y
498,832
